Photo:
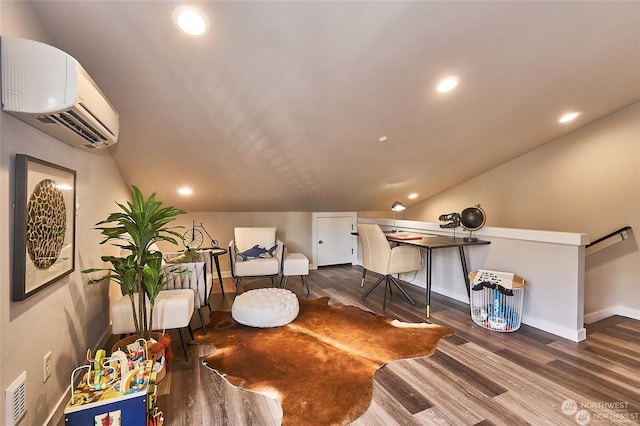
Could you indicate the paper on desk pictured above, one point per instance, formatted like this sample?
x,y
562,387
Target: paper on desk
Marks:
x,y
404,236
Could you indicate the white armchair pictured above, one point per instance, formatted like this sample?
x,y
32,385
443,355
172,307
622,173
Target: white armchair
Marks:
x,y
196,275
255,253
378,256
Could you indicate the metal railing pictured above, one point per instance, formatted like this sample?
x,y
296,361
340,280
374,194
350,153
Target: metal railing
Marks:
x,y
623,232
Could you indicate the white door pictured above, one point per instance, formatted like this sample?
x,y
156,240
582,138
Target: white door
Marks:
x,y
335,242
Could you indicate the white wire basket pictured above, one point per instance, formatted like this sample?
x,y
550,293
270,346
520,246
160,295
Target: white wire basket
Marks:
x,y
494,306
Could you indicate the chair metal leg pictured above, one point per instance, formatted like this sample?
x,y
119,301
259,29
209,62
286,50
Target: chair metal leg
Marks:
x,y
364,272
374,286
273,282
388,280
190,331
284,281
237,287
386,287
184,345
393,280
305,282
204,326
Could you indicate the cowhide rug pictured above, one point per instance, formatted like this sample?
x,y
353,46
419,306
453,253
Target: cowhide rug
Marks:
x,y
321,365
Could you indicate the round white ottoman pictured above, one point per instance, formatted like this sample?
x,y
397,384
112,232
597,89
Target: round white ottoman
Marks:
x,y
265,307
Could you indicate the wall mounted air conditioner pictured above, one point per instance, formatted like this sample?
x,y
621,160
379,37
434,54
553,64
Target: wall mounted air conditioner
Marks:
x,y
48,89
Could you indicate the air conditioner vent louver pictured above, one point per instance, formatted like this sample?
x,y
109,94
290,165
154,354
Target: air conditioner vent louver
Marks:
x,y
45,119
74,122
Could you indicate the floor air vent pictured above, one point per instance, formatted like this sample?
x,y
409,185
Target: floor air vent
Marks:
x,y
16,400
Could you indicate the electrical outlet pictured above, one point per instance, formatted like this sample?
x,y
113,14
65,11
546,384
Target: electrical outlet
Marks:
x,y
47,365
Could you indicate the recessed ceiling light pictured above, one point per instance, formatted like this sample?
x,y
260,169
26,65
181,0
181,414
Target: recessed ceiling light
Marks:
x,y
413,195
191,21
447,84
185,191
570,116
383,138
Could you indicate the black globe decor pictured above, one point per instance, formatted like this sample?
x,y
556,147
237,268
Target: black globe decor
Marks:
x,y
472,219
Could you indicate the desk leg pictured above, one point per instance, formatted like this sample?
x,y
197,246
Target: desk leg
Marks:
x,y
219,274
428,281
465,270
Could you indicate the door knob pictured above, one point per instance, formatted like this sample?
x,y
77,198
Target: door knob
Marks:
x,y
320,242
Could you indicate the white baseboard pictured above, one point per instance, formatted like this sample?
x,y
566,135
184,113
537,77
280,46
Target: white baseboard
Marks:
x,y
623,311
573,335
564,332
56,416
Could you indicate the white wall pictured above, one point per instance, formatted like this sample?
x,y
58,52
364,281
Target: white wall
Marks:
x,y
586,182
67,317
294,228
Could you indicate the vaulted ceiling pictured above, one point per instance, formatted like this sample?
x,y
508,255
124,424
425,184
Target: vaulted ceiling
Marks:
x,y
281,106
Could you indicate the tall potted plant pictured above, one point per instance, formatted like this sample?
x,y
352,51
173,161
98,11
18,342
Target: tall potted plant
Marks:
x,y
140,224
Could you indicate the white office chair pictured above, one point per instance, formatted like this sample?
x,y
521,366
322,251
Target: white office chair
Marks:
x,y
378,256
255,252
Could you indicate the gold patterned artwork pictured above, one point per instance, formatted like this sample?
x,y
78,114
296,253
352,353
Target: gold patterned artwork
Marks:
x,y
46,224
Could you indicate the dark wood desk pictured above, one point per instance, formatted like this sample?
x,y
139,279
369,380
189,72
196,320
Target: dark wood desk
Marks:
x,y
434,242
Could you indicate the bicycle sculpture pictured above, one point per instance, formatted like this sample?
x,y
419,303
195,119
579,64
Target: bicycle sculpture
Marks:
x,y
193,238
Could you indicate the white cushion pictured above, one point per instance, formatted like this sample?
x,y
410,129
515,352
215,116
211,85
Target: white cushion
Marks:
x,y
265,307
295,264
246,238
257,267
172,309
122,317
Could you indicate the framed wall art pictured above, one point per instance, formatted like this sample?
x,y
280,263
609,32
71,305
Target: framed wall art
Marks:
x,y
44,225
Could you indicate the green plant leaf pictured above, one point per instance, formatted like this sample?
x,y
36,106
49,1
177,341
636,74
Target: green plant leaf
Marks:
x,y
139,224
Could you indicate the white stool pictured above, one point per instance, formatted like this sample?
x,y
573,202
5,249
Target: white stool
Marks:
x,y
265,307
172,309
295,264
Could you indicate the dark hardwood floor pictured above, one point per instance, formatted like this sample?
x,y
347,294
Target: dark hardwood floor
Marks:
x,y
476,377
